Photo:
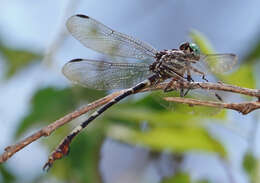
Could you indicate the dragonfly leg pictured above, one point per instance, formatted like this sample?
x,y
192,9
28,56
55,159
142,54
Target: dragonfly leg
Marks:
x,y
182,94
219,97
204,78
189,79
169,88
199,72
175,77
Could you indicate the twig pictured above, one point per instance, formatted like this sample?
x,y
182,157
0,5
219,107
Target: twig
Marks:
x,y
211,86
244,107
46,131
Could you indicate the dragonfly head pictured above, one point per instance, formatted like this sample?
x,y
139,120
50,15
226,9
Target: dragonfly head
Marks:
x,y
191,49
195,49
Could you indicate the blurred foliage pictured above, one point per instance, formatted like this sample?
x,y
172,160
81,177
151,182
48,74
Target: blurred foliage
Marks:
x,y
203,181
179,139
254,55
179,177
202,42
164,128
250,165
156,111
243,76
49,104
5,175
17,59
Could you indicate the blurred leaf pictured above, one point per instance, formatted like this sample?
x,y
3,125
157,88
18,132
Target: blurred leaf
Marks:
x,y
178,139
153,109
17,59
50,104
254,55
6,176
202,181
180,177
243,76
250,165
202,42
160,119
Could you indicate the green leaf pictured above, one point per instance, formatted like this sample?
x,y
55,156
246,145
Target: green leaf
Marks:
x,y
153,109
50,104
202,42
17,59
202,181
6,176
178,139
180,177
250,165
243,76
254,55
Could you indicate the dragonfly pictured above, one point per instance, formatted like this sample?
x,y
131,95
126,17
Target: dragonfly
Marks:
x,y
174,65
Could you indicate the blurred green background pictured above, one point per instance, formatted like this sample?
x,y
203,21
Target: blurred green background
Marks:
x,y
142,139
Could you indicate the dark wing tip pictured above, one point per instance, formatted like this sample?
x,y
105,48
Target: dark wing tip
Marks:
x,y
76,60
233,55
82,16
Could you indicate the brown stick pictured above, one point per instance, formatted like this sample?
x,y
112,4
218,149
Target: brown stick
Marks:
x,y
47,130
244,108
211,86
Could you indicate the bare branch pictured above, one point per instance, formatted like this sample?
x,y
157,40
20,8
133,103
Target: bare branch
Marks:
x,y
244,108
210,86
47,130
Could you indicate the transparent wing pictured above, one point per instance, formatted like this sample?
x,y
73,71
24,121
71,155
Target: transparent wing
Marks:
x,y
219,63
101,38
105,75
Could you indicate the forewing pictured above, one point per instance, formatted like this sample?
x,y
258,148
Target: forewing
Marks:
x,y
103,75
220,63
101,38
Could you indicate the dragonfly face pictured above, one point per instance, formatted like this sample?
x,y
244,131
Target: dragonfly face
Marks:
x,y
191,49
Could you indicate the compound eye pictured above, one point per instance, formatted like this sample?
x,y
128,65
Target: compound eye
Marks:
x,y
195,48
184,46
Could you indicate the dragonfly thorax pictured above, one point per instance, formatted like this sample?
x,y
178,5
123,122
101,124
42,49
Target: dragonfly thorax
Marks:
x,y
170,63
